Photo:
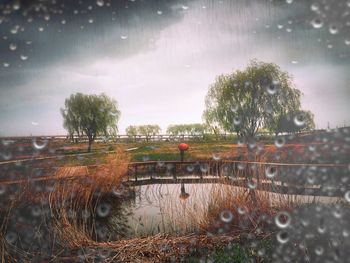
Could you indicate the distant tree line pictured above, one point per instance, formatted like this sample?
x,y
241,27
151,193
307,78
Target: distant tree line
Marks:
x,y
145,130
187,129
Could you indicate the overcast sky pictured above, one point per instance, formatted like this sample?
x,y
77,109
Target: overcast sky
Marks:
x,y
157,58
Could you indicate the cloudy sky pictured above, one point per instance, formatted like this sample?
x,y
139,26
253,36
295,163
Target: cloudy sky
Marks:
x,y
157,58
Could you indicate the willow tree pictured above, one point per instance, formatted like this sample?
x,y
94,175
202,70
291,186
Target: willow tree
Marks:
x,y
245,101
91,115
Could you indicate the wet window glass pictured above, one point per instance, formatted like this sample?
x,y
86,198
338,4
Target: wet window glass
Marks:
x,y
174,131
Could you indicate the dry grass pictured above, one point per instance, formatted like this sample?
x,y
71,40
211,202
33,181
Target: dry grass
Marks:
x,y
82,194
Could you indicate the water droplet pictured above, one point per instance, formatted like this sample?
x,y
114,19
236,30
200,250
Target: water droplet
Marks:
x,y
39,144
190,168
252,183
47,17
280,141
103,209
319,250
347,42
124,37
16,5
226,216
273,87
242,210
36,211
295,62
315,7
117,191
14,30
347,196
240,166
160,164
333,29
271,172
23,57
6,65
2,189
63,22
85,214
11,237
12,47
100,3
234,108
91,20
159,12
6,156
216,156
184,7
299,120
104,253
40,29
317,23
289,1
282,237
283,219
204,167
236,120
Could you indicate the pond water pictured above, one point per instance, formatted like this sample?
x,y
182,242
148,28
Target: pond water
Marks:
x,y
173,208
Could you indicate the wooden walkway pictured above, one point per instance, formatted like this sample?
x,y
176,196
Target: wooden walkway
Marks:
x,y
200,172
266,185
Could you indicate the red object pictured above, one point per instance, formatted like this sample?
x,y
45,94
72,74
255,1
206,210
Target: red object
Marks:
x,y
183,146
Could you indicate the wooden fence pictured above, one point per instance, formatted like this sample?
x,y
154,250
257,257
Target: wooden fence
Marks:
x,y
142,138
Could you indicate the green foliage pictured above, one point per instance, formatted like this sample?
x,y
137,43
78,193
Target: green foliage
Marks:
x,y
145,130
148,130
187,129
91,115
295,122
131,130
246,101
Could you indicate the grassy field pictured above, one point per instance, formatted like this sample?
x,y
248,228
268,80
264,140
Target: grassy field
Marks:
x,y
152,151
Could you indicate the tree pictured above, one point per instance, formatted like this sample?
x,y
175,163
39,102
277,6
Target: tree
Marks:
x,y
295,122
148,130
131,130
187,129
248,100
91,115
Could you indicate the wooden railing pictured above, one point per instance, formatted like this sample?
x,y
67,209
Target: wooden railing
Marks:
x,y
142,138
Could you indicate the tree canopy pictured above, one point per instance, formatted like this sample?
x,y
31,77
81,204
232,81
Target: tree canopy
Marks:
x,y
91,115
146,130
246,101
188,129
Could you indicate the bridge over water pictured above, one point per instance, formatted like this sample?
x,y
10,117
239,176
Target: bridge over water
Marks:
x,y
282,178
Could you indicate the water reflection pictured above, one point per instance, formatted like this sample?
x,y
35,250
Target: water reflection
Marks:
x,y
183,194
153,209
